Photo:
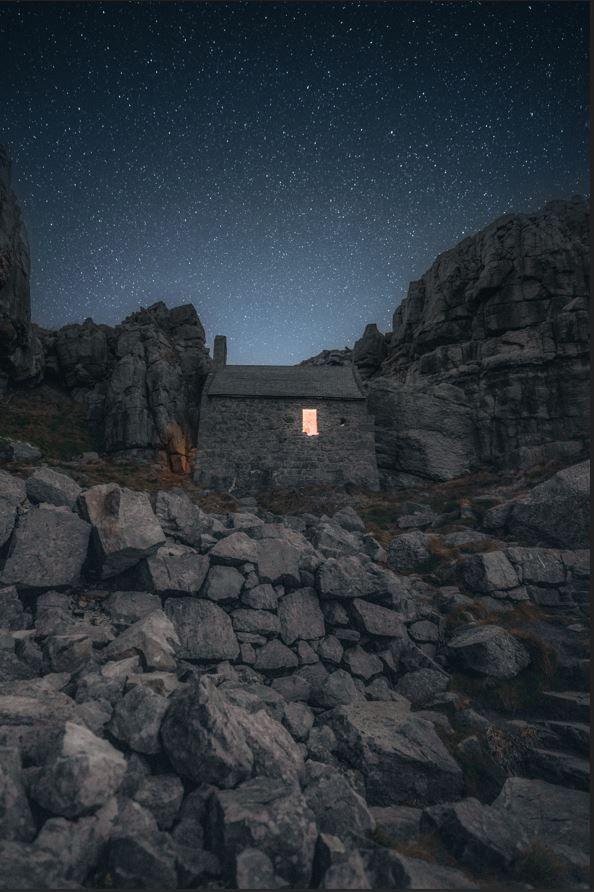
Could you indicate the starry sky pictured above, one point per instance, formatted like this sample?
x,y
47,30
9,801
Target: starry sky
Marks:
x,y
286,167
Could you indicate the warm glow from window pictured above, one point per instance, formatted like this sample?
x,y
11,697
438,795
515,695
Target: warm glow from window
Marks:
x,y
310,422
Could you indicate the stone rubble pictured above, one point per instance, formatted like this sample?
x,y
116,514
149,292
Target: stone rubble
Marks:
x,y
245,700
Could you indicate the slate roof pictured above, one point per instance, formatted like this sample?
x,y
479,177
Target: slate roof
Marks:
x,y
319,382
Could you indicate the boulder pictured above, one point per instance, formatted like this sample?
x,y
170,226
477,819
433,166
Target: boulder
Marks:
x,y
234,550
174,570
13,489
260,597
300,616
259,622
224,584
210,739
556,512
488,650
53,487
268,814
339,810
421,686
126,608
48,549
154,637
125,528
137,719
361,663
79,843
408,551
141,856
377,620
400,756
27,866
344,578
34,719
162,796
81,774
337,689
275,655
278,562
487,573
180,518
556,816
204,630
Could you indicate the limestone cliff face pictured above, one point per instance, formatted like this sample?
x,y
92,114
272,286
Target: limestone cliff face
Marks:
x,y
141,380
488,363
21,356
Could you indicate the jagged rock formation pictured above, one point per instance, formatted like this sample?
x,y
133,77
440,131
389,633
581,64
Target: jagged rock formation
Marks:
x,y
503,319
272,704
330,357
140,380
21,356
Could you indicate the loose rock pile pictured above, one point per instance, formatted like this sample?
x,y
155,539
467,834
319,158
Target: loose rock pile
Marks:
x,y
191,700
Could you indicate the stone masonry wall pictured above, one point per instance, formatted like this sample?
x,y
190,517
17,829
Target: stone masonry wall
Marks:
x,y
249,443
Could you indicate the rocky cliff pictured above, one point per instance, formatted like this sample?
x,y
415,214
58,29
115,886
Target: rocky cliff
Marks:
x,y
21,356
488,361
140,380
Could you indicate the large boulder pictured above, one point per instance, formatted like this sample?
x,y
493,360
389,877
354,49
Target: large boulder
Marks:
x,y
48,549
556,512
488,650
268,814
400,756
125,528
48,485
426,432
211,738
174,570
153,637
81,774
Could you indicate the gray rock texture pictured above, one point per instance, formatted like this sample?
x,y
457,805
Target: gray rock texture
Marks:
x,y
58,564
140,381
488,360
21,355
125,528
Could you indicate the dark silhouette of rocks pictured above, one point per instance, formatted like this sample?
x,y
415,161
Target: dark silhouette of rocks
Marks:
x,y
21,355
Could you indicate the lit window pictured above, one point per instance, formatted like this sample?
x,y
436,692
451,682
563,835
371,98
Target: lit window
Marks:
x,y
310,422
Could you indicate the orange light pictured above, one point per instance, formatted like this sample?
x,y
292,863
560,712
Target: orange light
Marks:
x,y
310,422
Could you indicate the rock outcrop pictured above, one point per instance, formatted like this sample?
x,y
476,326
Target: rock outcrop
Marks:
x,y
141,381
493,343
21,354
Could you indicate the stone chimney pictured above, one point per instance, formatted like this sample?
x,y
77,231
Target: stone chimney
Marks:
x,y
219,352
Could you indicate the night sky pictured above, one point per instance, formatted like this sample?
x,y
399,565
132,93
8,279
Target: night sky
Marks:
x,y
288,168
